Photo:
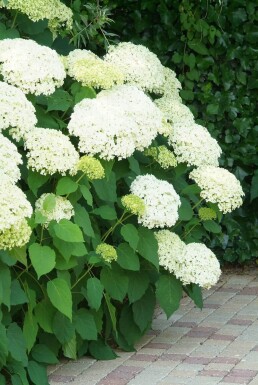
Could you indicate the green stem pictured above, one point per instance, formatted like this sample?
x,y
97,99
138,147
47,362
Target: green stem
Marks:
x,y
188,232
84,275
197,204
41,234
119,222
14,20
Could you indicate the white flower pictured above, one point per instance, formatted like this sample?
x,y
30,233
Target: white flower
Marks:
x,y
31,67
50,151
16,112
15,236
171,86
55,11
116,123
140,66
87,68
14,204
62,209
218,186
192,263
10,159
160,199
194,145
174,111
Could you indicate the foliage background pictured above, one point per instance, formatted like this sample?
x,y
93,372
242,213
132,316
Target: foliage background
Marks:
x,y
211,45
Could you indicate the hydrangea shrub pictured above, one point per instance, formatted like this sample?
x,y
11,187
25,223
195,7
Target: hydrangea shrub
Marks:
x,y
109,191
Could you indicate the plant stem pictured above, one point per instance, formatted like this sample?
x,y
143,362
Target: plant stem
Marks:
x,y
119,222
84,275
14,20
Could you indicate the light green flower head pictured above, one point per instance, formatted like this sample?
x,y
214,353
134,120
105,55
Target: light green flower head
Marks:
x,y
91,167
206,214
16,236
162,155
107,252
133,204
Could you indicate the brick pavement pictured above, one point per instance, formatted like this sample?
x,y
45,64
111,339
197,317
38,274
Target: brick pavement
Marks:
x,y
218,345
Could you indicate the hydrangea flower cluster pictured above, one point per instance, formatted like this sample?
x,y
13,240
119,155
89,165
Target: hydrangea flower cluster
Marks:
x,y
107,252
91,167
206,214
133,204
194,145
63,209
116,123
139,66
55,11
192,263
31,67
15,236
162,155
160,199
50,151
174,111
16,112
87,68
219,186
171,85
10,159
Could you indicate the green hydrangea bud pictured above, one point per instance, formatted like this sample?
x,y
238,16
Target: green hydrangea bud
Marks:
x,y
162,155
107,252
206,214
91,167
133,204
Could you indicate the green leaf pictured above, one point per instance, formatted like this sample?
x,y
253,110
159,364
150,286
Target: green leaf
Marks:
x,y
68,231
94,293
2,378
86,194
130,234
111,311
106,212
60,100
20,254
85,325
128,327
81,92
82,219
5,285
43,258
49,202
212,109
195,292
18,296
134,165
16,343
36,180
148,246
106,188
42,353
101,351
3,346
212,226
37,373
44,312
127,258
70,348
30,330
143,310
60,296
185,211
254,188
138,284
169,293
66,186
62,328
115,282
198,46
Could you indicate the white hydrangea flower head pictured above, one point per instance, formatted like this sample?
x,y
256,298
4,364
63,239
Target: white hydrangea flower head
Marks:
x,y
174,111
16,236
171,85
63,209
90,70
16,112
194,145
138,64
160,199
14,204
33,68
198,265
50,151
220,186
116,123
170,249
58,14
10,159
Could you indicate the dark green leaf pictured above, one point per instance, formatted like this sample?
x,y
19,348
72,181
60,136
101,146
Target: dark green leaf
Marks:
x,y
101,351
68,231
43,258
130,234
60,296
115,282
148,246
66,186
169,293
94,292
127,258
85,324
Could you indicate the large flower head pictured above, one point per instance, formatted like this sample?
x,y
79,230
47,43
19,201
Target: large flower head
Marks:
x,y
31,67
62,208
55,11
160,199
15,236
10,159
171,85
16,112
174,111
50,151
87,68
219,186
116,123
194,145
170,249
14,204
139,66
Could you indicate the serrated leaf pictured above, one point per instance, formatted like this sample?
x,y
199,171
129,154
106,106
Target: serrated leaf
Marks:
x,y
127,258
43,258
66,186
68,231
60,296
130,234
148,246
169,293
